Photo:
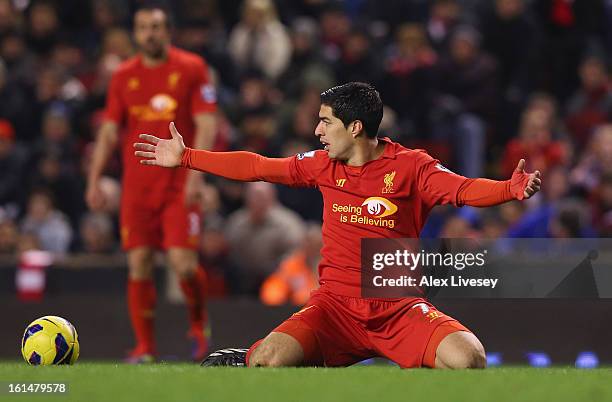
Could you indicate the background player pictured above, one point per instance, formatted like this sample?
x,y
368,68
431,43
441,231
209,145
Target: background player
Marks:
x,y
158,207
337,327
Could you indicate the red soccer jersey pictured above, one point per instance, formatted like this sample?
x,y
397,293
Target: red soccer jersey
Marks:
x,y
145,100
389,197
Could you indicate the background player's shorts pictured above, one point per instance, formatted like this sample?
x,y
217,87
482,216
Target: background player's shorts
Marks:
x,y
159,222
339,331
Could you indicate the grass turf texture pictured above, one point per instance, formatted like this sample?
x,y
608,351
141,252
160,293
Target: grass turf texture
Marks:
x,y
92,382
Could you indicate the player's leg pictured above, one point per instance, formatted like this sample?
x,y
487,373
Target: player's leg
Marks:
x,y
459,349
291,344
192,278
140,235
324,333
181,227
141,302
277,350
422,336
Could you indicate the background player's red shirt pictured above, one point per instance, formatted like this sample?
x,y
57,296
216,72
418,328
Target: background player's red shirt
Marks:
x,y
389,197
145,100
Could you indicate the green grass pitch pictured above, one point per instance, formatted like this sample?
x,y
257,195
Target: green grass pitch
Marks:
x,y
93,382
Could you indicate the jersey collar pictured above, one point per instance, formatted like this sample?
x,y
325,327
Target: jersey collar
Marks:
x,y
389,152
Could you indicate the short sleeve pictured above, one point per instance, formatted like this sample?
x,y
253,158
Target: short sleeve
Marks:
x,y
306,168
114,110
203,93
435,183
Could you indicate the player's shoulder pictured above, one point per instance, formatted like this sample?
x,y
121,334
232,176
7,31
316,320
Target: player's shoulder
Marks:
x,y
317,156
128,66
186,57
402,153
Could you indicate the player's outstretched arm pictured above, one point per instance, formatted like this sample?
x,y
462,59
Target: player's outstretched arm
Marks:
x,y
485,192
239,165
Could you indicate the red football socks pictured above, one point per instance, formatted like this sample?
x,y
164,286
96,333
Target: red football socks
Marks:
x,y
141,305
194,290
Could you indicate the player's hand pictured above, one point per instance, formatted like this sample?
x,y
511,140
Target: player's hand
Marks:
x,y
524,185
159,152
94,196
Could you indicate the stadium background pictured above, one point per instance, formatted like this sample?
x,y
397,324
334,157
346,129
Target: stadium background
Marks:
x,y
477,83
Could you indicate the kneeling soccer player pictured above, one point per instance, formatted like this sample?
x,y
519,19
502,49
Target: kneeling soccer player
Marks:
x,y
338,327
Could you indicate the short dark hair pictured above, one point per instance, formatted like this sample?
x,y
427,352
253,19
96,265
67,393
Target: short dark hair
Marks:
x,y
157,6
356,101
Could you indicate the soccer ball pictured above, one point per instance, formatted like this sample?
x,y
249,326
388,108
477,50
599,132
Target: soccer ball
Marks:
x,y
50,340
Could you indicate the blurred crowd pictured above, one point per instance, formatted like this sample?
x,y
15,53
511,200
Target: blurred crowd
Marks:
x,y
478,83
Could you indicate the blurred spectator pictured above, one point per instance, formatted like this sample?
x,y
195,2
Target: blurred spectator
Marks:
x,y
443,19
260,40
201,37
57,138
492,226
359,60
97,233
555,216
14,100
66,188
572,220
595,161
12,166
591,105
467,98
260,234
47,224
296,275
213,257
407,80
458,226
306,67
19,60
535,144
509,35
335,29
9,18
258,127
116,48
297,121
569,28
255,92
9,237
44,28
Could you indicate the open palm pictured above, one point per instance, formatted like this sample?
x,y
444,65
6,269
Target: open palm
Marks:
x,y
159,152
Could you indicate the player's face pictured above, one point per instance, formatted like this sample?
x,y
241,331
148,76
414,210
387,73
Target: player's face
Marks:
x,y
151,33
335,137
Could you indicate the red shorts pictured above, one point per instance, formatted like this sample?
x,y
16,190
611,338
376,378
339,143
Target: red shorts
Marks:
x,y
159,222
339,331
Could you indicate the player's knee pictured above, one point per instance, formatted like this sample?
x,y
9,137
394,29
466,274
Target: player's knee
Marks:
x,y
267,355
140,264
183,270
277,350
471,356
461,350
476,357
184,264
